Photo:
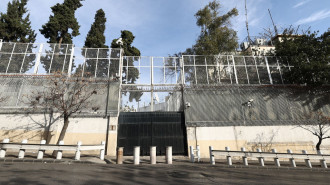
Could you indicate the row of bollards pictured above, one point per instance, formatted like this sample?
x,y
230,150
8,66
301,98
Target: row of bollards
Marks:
x,y
136,155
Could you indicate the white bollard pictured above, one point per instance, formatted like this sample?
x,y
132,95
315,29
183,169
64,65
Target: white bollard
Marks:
x,y
276,160
3,150
41,152
59,152
261,159
212,160
102,151
229,161
21,152
292,161
307,161
120,154
198,153
322,161
192,155
136,156
153,155
77,156
169,155
245,161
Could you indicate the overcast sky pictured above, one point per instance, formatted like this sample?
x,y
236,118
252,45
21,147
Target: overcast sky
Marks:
x,y
165,27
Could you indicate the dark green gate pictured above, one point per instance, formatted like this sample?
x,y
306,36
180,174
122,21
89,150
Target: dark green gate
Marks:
x,y
147,129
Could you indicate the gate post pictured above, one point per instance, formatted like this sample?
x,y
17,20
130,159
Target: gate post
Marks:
x,y
169,155
136,157
153,155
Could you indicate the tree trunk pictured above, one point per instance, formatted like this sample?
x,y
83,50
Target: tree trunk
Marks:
x,y
318,145
64,128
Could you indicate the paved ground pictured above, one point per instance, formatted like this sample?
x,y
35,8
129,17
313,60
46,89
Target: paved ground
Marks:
x,y
181,172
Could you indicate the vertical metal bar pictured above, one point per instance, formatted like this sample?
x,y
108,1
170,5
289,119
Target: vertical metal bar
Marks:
x,y
255,63
71,61
268,70
152,87
231,81
20,71
139,70
182,70
279,69
51,60
195,70
218,68
235,69
36,66
207,74
109,58
66,52
127,59
247,74
176,74
83,71
97,60
11,55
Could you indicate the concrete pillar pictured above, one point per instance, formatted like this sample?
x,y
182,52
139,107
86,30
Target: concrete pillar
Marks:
x,y
292,161
261,159
169,155
120,154
59,152
212,160
192,155
245,161
322,161
102,151
77,156
276,160
229,161
41,152
21,152
307,161
136,156
153,155
3,150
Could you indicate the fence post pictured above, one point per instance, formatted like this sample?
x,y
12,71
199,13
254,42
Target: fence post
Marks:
x,y
192,156
70,62
77,156
198,153
21,152
120,154
41,152
245,161
276,160
212,161
3,150
59,152
322,161
136,156
102,150
261,159
307,161
292,161
169,155
229,161
153,155
36,65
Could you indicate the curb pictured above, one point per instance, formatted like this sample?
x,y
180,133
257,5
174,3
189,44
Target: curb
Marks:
x,y
54,161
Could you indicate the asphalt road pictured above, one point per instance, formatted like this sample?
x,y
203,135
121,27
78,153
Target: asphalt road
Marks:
x,y
90,174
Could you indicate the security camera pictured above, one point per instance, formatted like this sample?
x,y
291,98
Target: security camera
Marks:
x,y
117,75
249,103
120,41
251,100
187,105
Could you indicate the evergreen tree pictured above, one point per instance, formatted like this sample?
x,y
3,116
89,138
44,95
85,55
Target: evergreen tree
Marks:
x,y
129,50
96,39
15,25
61,28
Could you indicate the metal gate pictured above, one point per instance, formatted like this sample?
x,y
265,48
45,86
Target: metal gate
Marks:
x,y
147,129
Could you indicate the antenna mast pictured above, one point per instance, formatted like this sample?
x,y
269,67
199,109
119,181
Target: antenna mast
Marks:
x,y
247,24
273,22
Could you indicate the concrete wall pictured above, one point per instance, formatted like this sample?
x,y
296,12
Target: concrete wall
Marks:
x,y
253,137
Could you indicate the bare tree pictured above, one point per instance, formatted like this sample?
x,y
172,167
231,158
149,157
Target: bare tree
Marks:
x,y
263,142
317,124
64,95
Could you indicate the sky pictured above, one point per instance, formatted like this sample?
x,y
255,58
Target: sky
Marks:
x,y
165,27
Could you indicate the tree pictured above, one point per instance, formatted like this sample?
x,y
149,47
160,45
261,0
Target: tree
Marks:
x,y
15,25
132,72
317,124
61,28
64,95
309,54
96,39
216,35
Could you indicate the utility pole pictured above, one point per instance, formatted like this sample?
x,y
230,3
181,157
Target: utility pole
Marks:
x,y
247,25
275,29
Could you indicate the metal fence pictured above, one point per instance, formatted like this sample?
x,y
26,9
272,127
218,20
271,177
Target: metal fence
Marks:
x,y
40,59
